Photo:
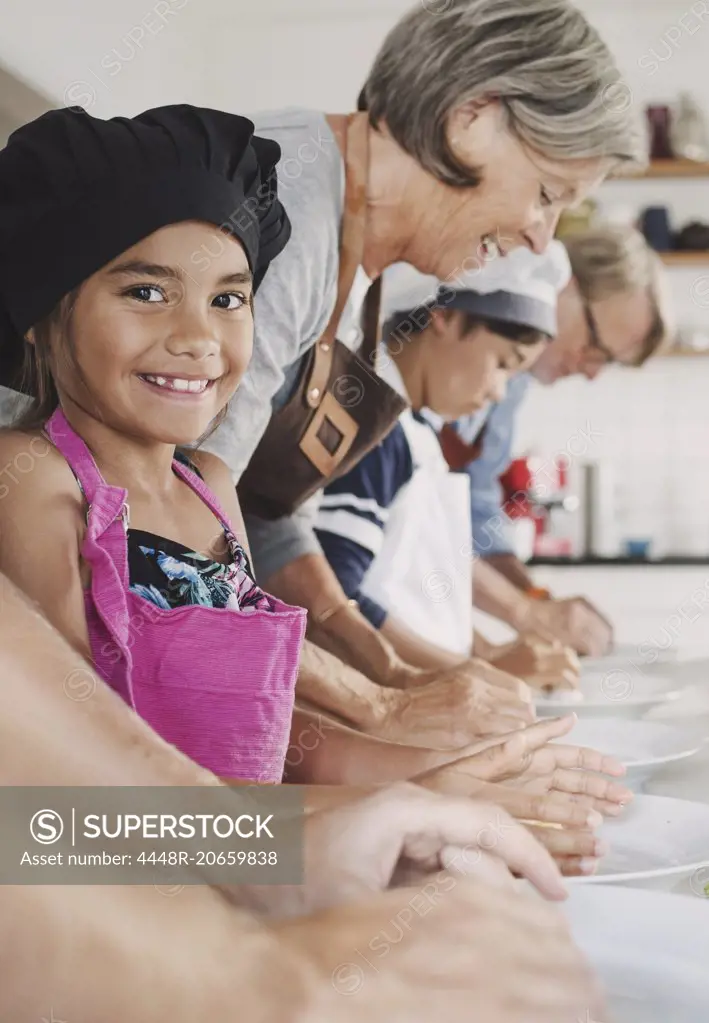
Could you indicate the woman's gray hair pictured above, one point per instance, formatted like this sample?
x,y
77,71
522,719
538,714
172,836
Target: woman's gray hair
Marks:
x,y
558,82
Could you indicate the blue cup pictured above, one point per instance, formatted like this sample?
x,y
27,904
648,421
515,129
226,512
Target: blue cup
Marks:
x,y
638,548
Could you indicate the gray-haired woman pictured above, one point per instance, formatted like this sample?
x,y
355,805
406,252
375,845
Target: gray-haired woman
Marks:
x,y
484,122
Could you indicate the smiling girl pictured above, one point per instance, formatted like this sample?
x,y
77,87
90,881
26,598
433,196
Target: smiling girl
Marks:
x,y
131,345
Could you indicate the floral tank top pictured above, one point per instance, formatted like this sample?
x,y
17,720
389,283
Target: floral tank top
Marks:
x,y
171,575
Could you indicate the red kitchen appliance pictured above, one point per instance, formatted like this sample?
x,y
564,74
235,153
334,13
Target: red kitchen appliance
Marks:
x,y
536,489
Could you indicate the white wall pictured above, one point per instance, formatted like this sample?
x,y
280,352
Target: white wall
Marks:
x,y
654,423
120,58
6,126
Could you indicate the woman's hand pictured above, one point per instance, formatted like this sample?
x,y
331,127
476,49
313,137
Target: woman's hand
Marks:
x,y
530,762
575,850
471,700
556,808
542,664
584,774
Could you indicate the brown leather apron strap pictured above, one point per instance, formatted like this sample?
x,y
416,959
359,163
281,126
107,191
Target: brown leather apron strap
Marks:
x,y
372,325
351,249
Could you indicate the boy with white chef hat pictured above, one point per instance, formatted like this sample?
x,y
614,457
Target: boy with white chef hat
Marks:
x,y
397,529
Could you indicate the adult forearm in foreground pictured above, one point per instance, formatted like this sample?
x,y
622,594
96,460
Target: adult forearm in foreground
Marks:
x,y
110,954
107,954
60,724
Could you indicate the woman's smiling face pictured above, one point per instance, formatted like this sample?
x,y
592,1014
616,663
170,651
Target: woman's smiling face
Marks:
x,y
517,204
157,347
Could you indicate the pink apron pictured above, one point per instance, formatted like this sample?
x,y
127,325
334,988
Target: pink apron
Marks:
x,y
216,683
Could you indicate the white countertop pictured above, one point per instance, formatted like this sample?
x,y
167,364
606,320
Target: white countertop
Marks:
x,y
657,607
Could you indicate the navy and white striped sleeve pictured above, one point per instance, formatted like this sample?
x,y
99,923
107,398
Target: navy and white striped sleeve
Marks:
x,y
353,514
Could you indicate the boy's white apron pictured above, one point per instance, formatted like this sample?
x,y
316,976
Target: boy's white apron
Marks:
x,y
423,574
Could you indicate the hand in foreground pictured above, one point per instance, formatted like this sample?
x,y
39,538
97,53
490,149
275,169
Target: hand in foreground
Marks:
x,y
575,622
458,952
380,840
452,708
540,664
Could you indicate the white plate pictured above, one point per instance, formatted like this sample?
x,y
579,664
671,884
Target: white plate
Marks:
x,y
651,951
658,842
641,656
618,692
641,746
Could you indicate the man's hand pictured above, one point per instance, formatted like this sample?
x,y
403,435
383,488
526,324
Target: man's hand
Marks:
x,y
460,951
574,622
542,664
402,832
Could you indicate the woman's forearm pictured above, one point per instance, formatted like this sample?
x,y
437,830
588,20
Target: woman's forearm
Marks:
x,y
324,752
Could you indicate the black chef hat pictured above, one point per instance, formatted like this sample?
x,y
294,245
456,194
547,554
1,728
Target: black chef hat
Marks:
x,y
76,191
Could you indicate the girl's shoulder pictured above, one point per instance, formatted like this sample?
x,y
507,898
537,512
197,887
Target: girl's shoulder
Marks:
x,y
215,472
31,468
217,476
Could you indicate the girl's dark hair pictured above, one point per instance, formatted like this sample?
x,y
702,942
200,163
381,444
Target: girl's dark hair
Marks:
x,y
37,378
404,325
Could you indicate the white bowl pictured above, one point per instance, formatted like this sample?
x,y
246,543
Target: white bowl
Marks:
x,y
651,951
643,747
657,843
618,692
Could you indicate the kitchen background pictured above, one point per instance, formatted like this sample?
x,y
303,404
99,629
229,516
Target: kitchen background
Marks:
x,y
647,432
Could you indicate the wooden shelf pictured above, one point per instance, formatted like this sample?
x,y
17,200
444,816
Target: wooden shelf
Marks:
x,y
688,259
685,353
671,169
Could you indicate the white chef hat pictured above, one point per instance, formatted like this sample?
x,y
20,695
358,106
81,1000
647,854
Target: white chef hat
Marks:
x,y
520,288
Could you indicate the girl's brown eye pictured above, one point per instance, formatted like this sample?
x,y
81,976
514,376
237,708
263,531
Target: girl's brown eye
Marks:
x,y
231,300
146,293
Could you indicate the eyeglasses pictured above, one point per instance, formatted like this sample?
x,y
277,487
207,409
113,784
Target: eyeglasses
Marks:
x,y
594,337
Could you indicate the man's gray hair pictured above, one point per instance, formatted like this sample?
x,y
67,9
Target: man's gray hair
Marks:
x,y
612,259
559,84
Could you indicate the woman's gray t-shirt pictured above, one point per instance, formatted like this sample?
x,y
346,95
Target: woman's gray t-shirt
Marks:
x,y
295,301
292,310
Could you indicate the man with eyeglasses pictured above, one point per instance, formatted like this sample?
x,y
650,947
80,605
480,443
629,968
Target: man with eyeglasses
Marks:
x,y
614,310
